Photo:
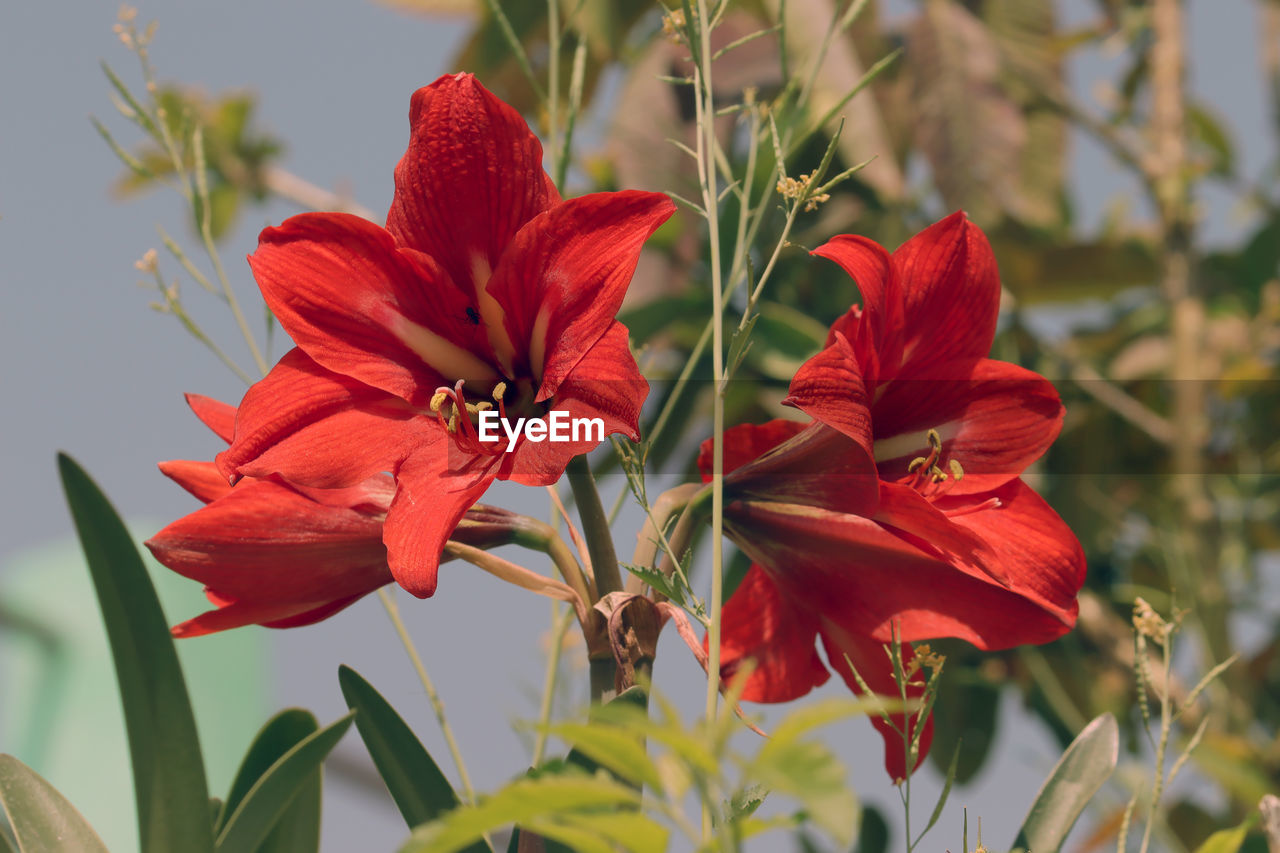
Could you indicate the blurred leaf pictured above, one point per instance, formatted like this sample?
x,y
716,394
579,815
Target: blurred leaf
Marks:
x,y
619,751
1039,274
1087,763
1228,840
417,785
966,728
299,828
168,772
434,7
529,802
271,795
1207,131
968,129
873,832
43,820
1025,32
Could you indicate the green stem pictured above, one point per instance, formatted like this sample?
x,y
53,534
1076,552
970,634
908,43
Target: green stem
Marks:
x,y
393,611
595,526
560,619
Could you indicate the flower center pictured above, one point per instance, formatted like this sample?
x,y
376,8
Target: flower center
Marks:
x,y
927,475
513,399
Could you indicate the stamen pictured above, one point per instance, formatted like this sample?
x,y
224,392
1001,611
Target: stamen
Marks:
x,y
915,463
957,470
989,503
438,398
499,391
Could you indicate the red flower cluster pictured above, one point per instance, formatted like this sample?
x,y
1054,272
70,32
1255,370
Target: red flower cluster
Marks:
x,y
484,291
900,506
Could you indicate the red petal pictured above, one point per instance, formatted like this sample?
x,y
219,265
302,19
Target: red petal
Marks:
x,y
217,416
1028,543
869,658
994,418
201,479
470,179
562,280
746,442
320,428
907,510
237,614
274,552
865,578
875,329
428,504
831,387
818,466
363,308
606,384
762,624
950,290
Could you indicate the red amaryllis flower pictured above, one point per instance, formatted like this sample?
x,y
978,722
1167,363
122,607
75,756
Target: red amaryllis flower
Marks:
x,y
281,555
900,507
484,291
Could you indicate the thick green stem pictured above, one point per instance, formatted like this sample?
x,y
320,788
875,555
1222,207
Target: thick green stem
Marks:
x,y
595,526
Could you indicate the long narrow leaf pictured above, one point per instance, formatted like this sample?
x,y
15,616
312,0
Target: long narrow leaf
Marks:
x,y
415,781
1086,764
270,797
43,820
168,771
299,827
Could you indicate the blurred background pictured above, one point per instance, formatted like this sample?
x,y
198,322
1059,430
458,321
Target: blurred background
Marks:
x,y
1037,117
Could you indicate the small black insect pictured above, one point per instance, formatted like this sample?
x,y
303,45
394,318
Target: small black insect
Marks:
x,y
473,315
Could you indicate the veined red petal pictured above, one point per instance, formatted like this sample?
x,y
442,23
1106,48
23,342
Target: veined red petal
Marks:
x,y
831,387
746,442
876,669
874,329
361,307
471,178
201,479
217,416
759,623
1038,555
606,384
428,505
907,510
320,428
865,578
994,418
273,552
817,466
562,279
269,614
950,290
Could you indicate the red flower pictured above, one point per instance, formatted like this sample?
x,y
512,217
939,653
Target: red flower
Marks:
x,y
485,290
900,506
281,555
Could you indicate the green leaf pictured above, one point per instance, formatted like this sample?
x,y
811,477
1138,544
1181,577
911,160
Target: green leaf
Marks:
x,y
1086,764
529,802
620,752
168,771
43,820
420,789
1227,840
299,827
270,797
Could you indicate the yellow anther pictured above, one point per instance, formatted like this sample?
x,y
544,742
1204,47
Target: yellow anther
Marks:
x,y
452,426
957,470
935,440
938,475
499,391
437,400
915,463
477,408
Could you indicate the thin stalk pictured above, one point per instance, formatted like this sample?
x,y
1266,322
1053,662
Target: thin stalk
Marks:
x,y
595,526
706,161
393,612
1166,725
559,626
553,81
